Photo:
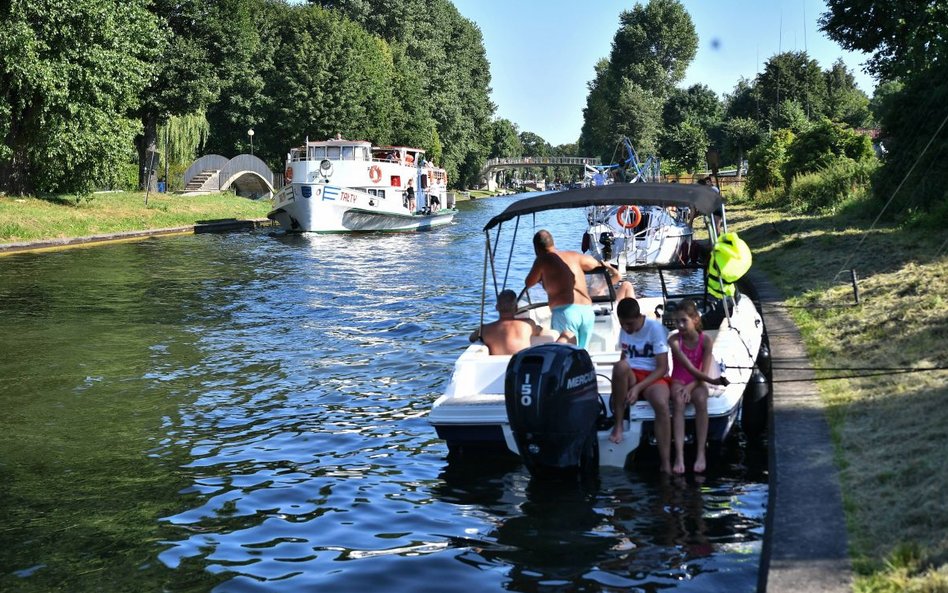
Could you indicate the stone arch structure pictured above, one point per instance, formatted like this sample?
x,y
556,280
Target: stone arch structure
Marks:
x,y
246,174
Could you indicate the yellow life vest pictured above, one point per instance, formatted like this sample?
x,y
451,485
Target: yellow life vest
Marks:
x,y
730,259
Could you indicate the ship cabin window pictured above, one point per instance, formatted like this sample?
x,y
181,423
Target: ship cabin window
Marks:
x,y
348,153
332,153
317,153
378,193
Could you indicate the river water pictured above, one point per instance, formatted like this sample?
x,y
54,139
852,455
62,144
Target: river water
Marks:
x,y
247,412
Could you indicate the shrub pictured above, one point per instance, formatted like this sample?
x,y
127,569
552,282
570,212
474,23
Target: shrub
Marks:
x,y
820,146
841,180
765,162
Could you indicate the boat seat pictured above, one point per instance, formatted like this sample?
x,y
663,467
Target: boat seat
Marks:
x,y
541,339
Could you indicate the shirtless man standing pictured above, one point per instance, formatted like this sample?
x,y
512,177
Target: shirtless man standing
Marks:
x,y
507,335
563,274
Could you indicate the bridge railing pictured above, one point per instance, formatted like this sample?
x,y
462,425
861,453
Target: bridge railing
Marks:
x,y
543,161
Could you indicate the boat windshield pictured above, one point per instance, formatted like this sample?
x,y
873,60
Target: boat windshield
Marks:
x,y
600,288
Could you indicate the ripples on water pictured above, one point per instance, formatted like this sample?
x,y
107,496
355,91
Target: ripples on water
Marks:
x,y
287,381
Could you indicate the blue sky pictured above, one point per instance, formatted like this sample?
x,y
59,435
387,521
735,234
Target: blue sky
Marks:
x,y
542,52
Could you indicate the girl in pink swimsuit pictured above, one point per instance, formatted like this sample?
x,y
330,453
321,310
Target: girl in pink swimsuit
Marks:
x,y
691,355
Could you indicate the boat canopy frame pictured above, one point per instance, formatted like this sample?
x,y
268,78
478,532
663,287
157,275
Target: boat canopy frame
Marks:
x,y
702,199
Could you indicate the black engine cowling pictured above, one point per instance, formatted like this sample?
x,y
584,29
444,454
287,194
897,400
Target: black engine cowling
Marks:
x,y
552,405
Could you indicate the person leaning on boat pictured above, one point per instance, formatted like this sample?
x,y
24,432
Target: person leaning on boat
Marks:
x,y
563,274
508,335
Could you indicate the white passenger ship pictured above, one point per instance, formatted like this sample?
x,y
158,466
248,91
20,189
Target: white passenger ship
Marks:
x,y
341,185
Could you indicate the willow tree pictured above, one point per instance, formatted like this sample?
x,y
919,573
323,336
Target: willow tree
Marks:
x,y
180,140
70,73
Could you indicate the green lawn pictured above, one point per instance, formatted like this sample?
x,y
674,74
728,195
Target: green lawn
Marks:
x,y
34,219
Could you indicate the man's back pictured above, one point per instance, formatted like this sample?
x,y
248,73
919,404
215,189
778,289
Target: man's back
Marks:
x,y
508,336
564,279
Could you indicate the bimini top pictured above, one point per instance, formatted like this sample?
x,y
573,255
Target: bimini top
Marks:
x,y
701,198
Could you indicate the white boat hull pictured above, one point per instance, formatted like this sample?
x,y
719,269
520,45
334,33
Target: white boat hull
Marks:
x,y
326,208
472,412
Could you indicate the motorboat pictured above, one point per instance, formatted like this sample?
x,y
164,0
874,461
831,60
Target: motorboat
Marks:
x,y
487,393
340,185
632,236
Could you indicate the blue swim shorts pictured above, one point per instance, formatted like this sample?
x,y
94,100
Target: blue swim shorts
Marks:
x,y
575,319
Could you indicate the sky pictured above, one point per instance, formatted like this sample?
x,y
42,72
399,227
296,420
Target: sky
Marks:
x,y
543,53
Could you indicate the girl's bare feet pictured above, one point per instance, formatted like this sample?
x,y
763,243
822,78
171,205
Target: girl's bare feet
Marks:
x,y
700,463
679,466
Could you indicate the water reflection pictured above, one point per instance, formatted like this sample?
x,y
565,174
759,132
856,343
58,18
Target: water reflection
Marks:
x,y
622,530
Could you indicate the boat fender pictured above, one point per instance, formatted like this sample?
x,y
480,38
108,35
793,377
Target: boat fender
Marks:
x,y
763,359
629,222
375,173
758,387
288,175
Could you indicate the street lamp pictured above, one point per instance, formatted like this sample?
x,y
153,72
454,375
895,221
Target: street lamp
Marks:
x,y
250,133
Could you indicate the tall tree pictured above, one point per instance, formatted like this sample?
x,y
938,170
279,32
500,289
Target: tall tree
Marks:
x,y
447,51
242,98
654,45
70,73
795,77
744,101
505,140
845,102
741,134
908,44
650,52
698,104
342,80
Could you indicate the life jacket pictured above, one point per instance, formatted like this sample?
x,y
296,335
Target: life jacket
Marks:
x,y
730,259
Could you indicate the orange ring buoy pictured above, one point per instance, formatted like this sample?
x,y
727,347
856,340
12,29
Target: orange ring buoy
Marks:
x,y
375,173
288,174
636,217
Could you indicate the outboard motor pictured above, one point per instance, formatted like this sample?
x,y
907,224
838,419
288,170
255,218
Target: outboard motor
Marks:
x,y
552,405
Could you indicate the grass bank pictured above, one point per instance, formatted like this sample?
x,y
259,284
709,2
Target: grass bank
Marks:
x,y
32,219
889,429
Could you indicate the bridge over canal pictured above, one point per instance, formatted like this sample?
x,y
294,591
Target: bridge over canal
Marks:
x,y
493,166
246,174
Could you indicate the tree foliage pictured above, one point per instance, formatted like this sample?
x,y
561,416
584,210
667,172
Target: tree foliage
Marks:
x,y
791,76
765,163
909,51
822,144
447,51
505,139
905,38
71,73
844,101
651,50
